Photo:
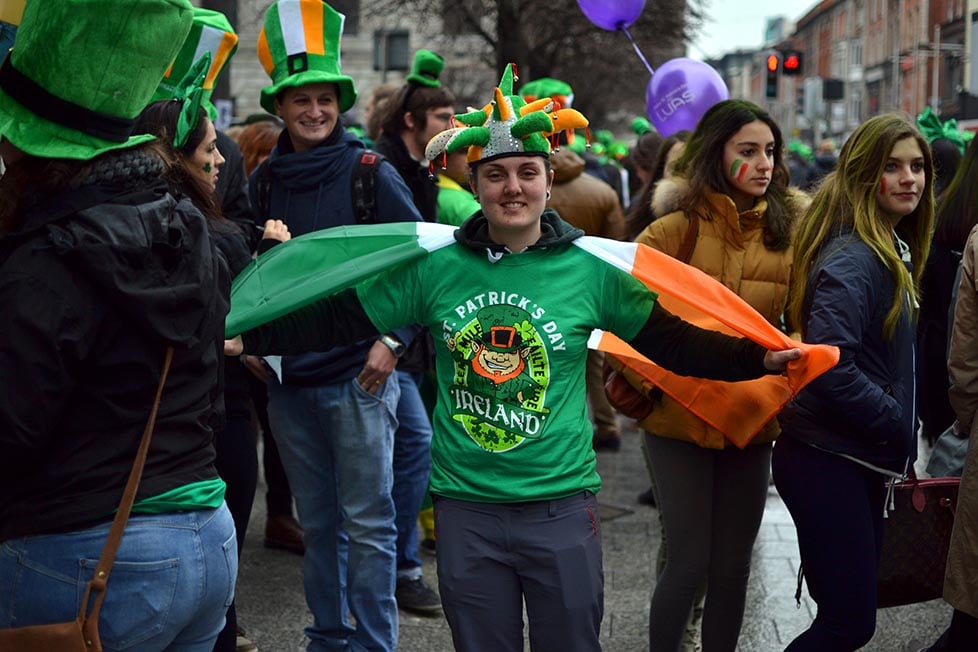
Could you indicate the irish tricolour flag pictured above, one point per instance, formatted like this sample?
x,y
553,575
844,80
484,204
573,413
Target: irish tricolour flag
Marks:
x,y
305,269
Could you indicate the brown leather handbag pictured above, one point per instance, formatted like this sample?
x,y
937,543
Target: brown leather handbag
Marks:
x,y
916,538
629,400
81,634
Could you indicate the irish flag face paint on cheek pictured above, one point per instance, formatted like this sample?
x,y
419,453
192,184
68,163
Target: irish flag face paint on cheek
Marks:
x,y
738,169
883,186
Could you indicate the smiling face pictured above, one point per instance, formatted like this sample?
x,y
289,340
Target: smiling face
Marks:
x,y
903,180
748,159
310,113
513,194
206,160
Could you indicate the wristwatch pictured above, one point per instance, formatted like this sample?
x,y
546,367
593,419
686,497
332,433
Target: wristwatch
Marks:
x,y
394,344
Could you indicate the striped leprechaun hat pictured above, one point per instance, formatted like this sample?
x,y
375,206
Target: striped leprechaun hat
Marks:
x,y
211,32
81,71
299,44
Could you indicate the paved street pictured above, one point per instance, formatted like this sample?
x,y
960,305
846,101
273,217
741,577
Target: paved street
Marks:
x,y
272,609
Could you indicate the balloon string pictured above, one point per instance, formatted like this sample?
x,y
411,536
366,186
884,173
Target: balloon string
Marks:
x,y
638,51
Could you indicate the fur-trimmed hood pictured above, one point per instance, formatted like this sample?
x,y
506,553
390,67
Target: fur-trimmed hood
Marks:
x,y
670,196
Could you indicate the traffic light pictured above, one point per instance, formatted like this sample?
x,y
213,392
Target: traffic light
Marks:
x,y
773,62
791,63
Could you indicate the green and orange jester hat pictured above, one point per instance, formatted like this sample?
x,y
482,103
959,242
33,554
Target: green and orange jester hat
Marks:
x,y
506,126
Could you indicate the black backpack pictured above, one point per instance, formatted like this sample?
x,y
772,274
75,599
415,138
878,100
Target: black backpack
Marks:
x,y
363,187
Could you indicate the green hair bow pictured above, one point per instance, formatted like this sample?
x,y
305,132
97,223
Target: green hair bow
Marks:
x,y
190,91
932,128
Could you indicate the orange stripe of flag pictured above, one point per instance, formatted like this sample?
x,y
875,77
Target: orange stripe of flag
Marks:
x,y
738,410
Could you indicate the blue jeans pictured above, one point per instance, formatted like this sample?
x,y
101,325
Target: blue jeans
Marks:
x,y
171,583
412,466
837,506
7,33
336,443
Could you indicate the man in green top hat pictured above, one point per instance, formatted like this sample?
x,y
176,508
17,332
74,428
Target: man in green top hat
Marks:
x,y
333,414
103,274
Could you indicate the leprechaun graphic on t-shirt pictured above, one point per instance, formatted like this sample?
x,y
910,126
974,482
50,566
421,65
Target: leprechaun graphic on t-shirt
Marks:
x,y
501,374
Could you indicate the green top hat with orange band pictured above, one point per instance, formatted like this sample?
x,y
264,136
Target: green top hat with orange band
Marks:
x,y
211,33
81,71
299,44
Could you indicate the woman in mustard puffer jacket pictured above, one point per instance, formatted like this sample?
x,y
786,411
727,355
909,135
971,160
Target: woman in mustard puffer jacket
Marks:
x,y
731,189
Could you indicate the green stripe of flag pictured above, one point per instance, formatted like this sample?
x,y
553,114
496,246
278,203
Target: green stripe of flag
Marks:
x,y
296,273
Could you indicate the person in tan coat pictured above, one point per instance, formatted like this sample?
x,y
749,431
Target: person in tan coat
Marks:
x,y
731,187
592,206
961,576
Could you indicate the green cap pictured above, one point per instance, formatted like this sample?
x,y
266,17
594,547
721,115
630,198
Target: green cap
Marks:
x,y
81,71
548,87
211,32
425,68
299,44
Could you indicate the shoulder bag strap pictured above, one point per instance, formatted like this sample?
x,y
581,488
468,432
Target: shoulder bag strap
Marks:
x,y
689,241
97,585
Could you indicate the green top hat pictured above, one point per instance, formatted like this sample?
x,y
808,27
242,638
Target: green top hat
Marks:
x,y
548,87
299,44
507,126
211,33
425,68
500,326
82,70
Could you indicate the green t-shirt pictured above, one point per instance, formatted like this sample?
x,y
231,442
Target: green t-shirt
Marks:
x,y
510,423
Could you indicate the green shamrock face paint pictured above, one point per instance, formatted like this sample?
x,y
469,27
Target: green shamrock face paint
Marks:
x,y
207,168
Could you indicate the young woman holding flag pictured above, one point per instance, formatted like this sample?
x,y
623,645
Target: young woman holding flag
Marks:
x,y
512,297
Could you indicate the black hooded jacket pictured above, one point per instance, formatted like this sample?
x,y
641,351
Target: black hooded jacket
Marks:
x,y
94,286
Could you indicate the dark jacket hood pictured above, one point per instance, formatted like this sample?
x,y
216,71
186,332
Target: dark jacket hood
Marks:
x,y
135,241
474,233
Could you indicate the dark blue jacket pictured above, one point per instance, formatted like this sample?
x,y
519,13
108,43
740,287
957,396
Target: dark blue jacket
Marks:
x,y
864,406
309,191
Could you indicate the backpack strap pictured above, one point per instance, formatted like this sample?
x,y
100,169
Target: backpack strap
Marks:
x,y
363,186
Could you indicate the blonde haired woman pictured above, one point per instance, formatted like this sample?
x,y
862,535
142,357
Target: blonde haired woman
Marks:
x,y
859,254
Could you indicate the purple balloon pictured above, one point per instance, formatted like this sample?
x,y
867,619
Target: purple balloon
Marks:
x,y
612,14
680,92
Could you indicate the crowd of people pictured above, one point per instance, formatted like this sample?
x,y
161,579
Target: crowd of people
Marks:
x,y
450,396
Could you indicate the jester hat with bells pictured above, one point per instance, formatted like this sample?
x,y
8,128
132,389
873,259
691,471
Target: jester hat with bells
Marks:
x,y
507,126
211,34
299,44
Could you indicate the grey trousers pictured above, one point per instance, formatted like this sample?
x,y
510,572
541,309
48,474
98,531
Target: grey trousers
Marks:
x,y
712,502
492,557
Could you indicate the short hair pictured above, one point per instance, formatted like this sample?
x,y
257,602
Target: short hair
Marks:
x,y
414,99
256,141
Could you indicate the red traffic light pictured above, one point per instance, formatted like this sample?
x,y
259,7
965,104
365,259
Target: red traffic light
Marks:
x,y
772,62
791,62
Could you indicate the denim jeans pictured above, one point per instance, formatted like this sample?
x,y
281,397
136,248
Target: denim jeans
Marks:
x,y
336,443
171,583
7,33
412,466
